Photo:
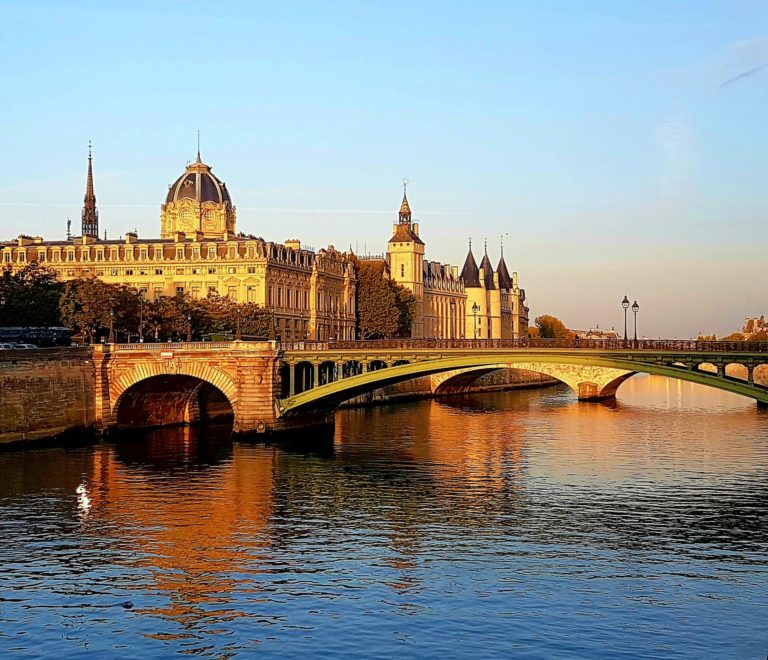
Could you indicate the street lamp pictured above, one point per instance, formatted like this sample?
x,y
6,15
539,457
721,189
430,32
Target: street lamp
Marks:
x,y
635,309
625,305
189,327
112,326
475,310
141,316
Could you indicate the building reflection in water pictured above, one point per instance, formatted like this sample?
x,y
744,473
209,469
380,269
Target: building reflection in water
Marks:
x,y
213,528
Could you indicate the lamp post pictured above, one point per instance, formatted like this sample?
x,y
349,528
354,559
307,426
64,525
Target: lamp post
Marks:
x,y
625,305
189,327
475,310
635,309
141,316
112,326
453,319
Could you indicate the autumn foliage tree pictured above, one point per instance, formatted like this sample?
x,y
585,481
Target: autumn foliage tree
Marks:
x,y
551,327
384,308
87,306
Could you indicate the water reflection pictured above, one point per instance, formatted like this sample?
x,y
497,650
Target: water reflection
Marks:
x,y
429,521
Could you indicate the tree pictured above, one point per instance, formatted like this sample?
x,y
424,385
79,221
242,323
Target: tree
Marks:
x,y
533,332
405,302
735,336
87,304
378,314
551,327
221,315
30,296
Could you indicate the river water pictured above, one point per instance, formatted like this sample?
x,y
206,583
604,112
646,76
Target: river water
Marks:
x,y
519,523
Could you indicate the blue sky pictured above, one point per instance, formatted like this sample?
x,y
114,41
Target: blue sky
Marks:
x,y
599,135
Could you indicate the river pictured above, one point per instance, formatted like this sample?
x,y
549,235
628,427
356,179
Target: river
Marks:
x,y
520,523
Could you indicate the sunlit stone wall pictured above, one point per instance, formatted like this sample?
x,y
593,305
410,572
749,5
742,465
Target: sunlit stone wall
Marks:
x,y
45,393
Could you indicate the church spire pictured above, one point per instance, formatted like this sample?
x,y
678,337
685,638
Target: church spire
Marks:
x,y
405,208
90,218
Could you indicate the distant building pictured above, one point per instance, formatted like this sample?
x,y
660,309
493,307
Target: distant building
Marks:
x,y
597,333
755,325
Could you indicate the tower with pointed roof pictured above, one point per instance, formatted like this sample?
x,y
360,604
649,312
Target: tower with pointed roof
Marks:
x,y
90,216
405,256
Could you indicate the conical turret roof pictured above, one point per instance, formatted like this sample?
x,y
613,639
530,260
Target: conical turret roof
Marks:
x,y
505,281
485,264
470,273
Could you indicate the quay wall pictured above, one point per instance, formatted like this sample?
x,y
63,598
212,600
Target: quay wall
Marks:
x,y
46,393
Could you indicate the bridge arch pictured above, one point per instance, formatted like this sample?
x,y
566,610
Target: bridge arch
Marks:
x,y
612,371
168,400
195,369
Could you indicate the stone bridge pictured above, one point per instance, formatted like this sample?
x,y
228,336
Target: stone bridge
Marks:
x,y
269,387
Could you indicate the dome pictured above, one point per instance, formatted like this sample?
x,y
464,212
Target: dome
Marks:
x,y
200,184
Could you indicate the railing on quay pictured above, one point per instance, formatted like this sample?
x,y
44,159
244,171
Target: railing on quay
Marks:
x,y
658,345
668,345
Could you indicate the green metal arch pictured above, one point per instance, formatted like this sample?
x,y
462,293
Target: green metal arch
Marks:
x,y
330,395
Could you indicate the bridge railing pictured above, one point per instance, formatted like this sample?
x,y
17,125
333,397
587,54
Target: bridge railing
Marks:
x,y
674,345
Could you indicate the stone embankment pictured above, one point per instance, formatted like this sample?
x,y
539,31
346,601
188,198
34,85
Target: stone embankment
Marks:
x,y
46,393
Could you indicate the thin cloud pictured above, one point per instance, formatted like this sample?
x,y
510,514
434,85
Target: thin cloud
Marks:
x,y
745,74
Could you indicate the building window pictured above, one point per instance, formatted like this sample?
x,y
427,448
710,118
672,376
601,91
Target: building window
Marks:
x,y
70,256
158,271
22,257
179,271
195,292
251,294
7,257
211,271
195,271
231,270
113,272
180,253
180,291
279,296
128,271
143,255
251,269
211,290
232,292
41,257
402,270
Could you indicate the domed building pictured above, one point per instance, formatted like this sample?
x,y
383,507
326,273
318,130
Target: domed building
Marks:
x,y
198,201
311,294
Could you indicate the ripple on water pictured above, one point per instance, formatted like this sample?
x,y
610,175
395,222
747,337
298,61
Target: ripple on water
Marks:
x,y
518,523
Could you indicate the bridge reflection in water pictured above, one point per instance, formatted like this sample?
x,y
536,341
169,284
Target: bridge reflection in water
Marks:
x,y
221,545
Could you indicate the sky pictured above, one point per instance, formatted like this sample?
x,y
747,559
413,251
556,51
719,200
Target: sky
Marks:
x,y
619,147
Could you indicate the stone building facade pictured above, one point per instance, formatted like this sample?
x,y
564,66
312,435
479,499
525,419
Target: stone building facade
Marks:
x,y
480,303
311,294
